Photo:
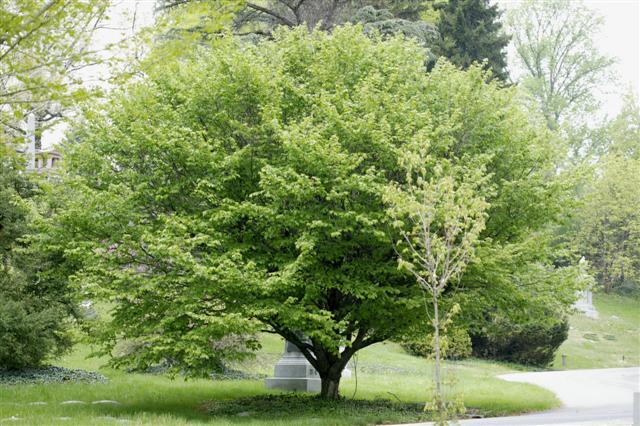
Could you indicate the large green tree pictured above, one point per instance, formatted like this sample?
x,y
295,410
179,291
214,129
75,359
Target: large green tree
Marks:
x,y
243,189
471,31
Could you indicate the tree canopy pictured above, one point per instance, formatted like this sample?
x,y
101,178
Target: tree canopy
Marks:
x,y
243,189
607,229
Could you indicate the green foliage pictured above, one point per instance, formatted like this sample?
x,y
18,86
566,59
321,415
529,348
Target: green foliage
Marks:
x,y
624,131
456,344
411,10
609,226
30,331
33,310
470,31
48,374
384,22
243,187
13,209
533,343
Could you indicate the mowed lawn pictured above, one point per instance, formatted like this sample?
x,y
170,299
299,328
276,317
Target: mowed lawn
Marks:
x,y
612,340
384,372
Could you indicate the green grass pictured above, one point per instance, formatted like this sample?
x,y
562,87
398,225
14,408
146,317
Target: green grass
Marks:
x,y
384,372
603,342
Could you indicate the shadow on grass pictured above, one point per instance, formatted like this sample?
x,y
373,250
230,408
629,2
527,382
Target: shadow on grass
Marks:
x,y
298,408
295,409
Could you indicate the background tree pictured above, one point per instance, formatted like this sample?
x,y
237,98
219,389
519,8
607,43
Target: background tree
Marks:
x,y
262,18
34,308
609,232
623,133
608,223
384,22
42,44
440,216
554,42
471,31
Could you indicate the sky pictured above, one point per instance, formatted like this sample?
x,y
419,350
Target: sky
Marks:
x,y
618,38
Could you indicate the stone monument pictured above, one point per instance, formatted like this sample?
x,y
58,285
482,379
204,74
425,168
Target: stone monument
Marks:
x,y
294,373
585,304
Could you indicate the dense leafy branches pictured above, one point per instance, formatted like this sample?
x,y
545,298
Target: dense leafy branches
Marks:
x,y
608,224
244,188
33,306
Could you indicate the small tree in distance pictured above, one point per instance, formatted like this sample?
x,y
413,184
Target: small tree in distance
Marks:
x,y
440,213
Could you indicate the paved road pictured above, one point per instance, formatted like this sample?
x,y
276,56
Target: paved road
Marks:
x,y
601,397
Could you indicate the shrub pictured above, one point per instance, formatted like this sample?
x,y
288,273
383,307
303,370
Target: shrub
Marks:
x,y
28,334
529,344
455,344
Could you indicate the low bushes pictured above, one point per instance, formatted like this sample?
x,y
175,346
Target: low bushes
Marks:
x,y
533,343
31,329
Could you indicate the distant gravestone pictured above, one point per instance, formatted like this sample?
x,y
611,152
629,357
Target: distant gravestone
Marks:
x,y
585,304
294,373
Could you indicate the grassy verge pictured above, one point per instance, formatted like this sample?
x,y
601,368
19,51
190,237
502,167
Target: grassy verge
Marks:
x,y
612,340
391,387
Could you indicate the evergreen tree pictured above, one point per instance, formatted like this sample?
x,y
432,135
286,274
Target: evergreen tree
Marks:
x,y
34,304
470,31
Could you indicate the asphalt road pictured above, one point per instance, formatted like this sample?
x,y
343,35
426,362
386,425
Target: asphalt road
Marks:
x,y
602,397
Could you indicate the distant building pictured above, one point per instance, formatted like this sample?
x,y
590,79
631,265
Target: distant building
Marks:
x,y
38,159
46,160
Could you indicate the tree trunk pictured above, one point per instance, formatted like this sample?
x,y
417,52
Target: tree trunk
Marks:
x,y
330,387
436,326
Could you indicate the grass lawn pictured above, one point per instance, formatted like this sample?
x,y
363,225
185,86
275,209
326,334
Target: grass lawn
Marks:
x,y
602,342
384,372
